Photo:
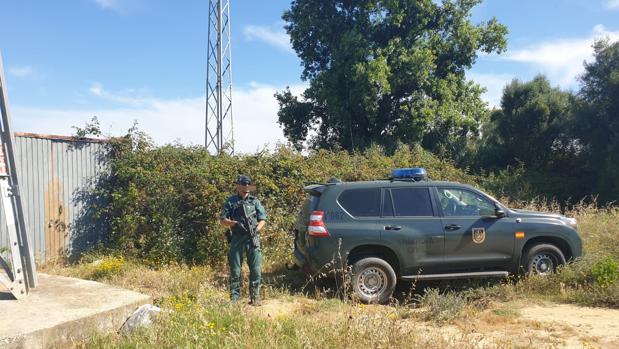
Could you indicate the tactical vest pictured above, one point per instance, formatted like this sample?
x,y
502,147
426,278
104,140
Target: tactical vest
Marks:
x,y
237,212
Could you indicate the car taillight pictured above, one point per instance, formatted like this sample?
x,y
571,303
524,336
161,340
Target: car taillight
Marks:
x,y
316,225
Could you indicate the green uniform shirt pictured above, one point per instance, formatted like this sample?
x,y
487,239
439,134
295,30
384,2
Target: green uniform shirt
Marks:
x,y
233,209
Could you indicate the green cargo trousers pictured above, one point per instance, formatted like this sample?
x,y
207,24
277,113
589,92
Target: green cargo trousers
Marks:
x,y
241,244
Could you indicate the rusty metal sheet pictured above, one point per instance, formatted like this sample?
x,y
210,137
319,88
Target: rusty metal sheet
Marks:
x,y
51,171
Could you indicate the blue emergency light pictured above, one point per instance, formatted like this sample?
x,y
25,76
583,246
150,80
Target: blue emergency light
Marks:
x,y
413,173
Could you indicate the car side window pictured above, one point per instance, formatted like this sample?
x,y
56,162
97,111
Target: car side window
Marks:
x,y
459,202
361,202
412,202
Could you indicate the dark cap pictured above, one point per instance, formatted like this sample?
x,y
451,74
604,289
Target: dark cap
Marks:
x,y
243,180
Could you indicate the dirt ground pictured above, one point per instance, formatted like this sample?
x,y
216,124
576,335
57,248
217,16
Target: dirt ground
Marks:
x,y
598,325
511,325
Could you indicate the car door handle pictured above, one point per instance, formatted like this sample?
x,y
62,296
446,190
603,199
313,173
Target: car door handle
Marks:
x,y
452,227
392,227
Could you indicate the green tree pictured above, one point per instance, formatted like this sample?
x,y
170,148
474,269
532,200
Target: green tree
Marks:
x,y
531,128
386,71
597,118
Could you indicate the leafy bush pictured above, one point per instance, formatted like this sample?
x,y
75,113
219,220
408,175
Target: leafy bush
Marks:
x,y
103,268
162,205
605,272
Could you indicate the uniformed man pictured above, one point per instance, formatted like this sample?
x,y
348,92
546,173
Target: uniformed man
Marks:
x,y
237,214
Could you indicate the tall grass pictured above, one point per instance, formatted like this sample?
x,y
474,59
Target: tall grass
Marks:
x,y
205,319
198,315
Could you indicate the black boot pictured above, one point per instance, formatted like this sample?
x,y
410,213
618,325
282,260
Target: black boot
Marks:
x,y
255,301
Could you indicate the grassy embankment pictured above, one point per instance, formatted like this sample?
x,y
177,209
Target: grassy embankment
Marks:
x,y
301,314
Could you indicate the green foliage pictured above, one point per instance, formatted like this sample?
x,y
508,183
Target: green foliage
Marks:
x,y
522,183
92,128
383,72
529,128
439,307
162,205
591,281
527,146
96,266
105,267
564,146
605,272
597,124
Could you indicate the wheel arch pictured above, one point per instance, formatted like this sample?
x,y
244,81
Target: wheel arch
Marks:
x,y
372,250
553,240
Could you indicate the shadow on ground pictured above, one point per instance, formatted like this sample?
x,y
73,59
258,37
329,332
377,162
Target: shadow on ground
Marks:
x,y
324,286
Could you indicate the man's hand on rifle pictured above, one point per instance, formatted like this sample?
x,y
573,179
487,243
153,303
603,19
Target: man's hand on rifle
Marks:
x,y
260,225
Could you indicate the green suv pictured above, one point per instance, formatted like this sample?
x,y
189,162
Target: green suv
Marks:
x,y
408,227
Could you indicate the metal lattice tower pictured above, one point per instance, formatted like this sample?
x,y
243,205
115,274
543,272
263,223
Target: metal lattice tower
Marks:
x,y
219,131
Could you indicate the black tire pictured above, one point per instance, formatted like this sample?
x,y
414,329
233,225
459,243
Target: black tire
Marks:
x,y
373,280
542,259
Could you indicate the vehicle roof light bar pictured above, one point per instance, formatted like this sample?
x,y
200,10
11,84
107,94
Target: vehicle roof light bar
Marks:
x,y
411,174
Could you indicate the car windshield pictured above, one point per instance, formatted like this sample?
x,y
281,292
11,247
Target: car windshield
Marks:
x,y
492,198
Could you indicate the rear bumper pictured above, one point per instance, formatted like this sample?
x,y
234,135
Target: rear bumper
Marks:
x,y
298,258
302,262
314,255
299,255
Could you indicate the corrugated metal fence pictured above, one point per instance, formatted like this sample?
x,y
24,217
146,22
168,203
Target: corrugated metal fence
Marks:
x,y
53,170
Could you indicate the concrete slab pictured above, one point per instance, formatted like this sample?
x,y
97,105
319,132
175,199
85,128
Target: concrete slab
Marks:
x,y
63,310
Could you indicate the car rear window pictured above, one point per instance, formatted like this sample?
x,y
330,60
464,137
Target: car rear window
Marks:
x,y
361,202
412,202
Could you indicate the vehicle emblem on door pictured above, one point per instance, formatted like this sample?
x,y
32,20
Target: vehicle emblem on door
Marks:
x,y
479,235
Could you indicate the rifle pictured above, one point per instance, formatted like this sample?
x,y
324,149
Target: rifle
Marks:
x,y
249,224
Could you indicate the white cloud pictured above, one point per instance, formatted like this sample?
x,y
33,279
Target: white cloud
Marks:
x,y
612,4
167,121
122,7
96,89
21,72
274,37
562,60
129,97
494,84
111,4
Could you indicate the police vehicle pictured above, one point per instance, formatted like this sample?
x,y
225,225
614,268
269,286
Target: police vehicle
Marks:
x,y
408,227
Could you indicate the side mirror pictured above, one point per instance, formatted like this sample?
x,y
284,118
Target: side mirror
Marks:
x,y
499,212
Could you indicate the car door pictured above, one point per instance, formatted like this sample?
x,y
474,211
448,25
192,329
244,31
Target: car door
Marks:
x,y
474,237
412,227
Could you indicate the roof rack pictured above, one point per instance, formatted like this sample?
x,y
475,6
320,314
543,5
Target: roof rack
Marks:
x,y
331,181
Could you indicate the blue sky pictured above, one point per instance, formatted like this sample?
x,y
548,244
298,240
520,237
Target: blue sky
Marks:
x,y
145,60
